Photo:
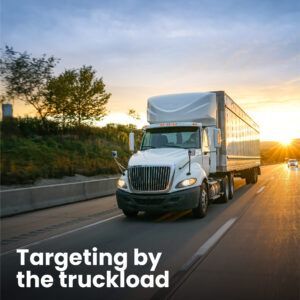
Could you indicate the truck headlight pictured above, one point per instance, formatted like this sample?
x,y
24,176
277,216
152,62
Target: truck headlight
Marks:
x,y
122,184
186,182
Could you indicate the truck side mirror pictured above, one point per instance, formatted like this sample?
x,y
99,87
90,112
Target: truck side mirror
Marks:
x,y
217,137
114,154
131,141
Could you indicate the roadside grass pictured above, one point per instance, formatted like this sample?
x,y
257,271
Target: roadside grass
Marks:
x,y
28,155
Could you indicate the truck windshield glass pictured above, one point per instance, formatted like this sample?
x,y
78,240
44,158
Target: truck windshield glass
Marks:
x,y
171,137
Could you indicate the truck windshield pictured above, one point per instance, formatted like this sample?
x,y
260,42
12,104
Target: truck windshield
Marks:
x,y
171,137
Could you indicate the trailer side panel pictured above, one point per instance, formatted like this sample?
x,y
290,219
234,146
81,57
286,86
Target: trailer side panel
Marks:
x,y
240,137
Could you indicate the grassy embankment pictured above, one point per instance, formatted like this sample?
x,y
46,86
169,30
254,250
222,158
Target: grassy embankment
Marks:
x,y
31,150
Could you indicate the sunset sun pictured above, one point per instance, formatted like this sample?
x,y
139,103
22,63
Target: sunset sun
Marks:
x,y
285,141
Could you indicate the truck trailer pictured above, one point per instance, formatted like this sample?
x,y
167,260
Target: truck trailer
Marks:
x,y
194,146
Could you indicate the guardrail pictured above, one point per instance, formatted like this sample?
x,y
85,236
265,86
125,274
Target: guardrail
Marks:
x,y
21,200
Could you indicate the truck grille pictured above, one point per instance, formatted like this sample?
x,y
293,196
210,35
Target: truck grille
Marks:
x,y
149,178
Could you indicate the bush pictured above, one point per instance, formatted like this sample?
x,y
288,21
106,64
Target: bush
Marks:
x,y
33,149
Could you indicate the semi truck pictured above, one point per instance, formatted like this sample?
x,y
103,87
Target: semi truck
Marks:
x,y
194,146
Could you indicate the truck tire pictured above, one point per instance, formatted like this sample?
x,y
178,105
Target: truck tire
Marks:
x,y
254,176
201,210
130,213
251,176
225,189
248,176
231,185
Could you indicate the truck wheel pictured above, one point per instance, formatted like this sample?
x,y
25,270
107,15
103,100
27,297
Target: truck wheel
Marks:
x,y
231,185
130,213
248,177
201,210
225,189
254,176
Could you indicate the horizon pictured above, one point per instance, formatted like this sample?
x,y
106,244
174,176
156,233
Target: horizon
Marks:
x,y
147,48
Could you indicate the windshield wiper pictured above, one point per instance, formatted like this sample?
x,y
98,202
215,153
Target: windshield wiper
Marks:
x,y
148,147
172,146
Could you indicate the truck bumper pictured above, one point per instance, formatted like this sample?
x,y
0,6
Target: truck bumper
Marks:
x,y
181,200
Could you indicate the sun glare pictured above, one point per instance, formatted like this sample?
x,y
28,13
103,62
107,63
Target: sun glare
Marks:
x,y
277,126
285,141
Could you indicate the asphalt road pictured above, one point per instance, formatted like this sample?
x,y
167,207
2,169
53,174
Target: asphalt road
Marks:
x,y
248,248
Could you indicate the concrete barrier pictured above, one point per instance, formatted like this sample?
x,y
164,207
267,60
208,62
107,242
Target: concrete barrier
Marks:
x,y
21,200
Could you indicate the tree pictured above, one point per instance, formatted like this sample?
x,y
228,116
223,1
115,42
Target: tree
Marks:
x,y
26,77
59,96
78,96
133,114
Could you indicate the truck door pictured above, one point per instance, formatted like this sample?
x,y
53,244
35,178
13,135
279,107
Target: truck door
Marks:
x,y
205,152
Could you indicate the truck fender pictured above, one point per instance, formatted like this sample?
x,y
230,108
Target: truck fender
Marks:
x,y
196,172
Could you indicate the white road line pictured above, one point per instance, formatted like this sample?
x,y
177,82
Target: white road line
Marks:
x,y
61,234
260,190
208,244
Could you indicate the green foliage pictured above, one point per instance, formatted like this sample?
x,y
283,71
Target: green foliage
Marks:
x,y
26,77
77,96
132,113
27,127
59,100
31,149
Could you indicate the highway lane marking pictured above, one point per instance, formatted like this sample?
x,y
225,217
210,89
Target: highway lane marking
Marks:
x,y
208,244
177,279
61,234
260,190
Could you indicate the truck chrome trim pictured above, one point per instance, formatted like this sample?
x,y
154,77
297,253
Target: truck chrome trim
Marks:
x,y
150,178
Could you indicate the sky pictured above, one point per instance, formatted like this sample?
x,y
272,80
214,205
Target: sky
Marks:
x,y
250,49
